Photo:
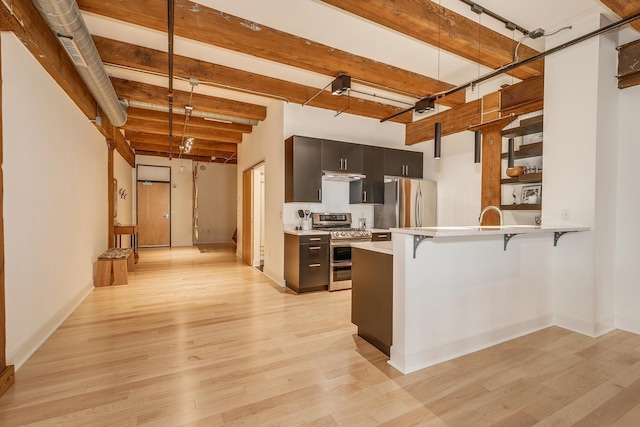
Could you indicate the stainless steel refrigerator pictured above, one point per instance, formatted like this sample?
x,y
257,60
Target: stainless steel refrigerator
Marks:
x,y
407,203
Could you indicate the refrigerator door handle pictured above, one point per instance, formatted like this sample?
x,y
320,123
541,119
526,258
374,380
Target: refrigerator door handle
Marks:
x,y
418,207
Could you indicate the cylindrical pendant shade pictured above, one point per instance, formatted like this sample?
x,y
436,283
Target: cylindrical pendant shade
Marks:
x,y
437,141
511,153
478,145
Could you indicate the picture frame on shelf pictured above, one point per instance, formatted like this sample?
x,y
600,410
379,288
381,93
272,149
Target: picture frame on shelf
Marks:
x,y
531,194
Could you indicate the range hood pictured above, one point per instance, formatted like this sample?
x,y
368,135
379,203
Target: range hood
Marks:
x,y
342,176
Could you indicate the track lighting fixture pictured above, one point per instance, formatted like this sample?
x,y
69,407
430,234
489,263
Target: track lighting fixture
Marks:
x,y
437,141
341,84
425,104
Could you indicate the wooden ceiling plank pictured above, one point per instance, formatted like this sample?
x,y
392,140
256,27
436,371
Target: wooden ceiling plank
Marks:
x,y
197,122
437,26
158,95
206,25
138,57
141,125
624,8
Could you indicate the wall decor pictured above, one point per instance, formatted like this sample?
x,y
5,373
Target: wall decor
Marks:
x,y
531,194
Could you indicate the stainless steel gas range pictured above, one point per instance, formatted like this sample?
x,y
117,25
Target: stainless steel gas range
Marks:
x,y
341,235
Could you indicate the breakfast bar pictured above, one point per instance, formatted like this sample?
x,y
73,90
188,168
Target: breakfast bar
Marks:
x,y
457,290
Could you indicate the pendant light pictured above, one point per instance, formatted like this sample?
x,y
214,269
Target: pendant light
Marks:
x,y
477,134
511,153
437,143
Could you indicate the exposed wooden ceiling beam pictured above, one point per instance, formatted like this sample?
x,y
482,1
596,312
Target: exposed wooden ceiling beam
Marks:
x,y
158,128
158,95
197,22
24,20
196,150
195,158
624,8
628,60
198,122
428,22
520,98
138,57
149,138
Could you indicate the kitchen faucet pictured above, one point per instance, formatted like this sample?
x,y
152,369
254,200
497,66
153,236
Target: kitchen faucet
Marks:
x,y
485,211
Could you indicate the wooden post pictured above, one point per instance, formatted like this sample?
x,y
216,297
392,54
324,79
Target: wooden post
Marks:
x,y
492,165
111,238
7,377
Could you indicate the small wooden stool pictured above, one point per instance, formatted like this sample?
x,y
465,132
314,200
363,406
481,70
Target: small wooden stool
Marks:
x,y
113,266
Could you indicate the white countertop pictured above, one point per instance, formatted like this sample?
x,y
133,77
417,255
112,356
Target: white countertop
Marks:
x,y
307,232
385,247
476,230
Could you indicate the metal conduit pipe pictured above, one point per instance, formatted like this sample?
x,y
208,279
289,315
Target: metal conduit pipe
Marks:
x,y
65,19
131,103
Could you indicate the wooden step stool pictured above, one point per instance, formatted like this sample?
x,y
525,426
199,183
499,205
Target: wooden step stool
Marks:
x,y
113,266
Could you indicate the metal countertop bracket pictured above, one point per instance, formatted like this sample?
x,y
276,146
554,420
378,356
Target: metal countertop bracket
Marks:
x,y
508,237
416,241
558,234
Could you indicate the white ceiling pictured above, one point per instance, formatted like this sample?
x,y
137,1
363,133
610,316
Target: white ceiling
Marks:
x,y
325,24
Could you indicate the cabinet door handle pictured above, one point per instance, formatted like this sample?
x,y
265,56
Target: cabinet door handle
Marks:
x,y
403,173
341,164
319,194
381,236
407,166
314,248
315,239
315,265
364,196
346,164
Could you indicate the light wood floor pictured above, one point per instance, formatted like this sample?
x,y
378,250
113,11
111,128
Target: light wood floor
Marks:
x,y
200,339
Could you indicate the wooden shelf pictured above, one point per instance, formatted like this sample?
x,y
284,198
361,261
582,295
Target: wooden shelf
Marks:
x,y
521,207
525,151
533,125
527,178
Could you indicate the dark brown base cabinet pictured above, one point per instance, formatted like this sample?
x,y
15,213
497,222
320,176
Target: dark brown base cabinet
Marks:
x,y
372,297
306,262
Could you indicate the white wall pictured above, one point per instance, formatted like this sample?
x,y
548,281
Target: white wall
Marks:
x,y
216,202
123,172
628,223
580,155
181,197
265,143
55,201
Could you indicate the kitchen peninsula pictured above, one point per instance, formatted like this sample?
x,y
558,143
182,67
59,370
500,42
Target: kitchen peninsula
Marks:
x,y
457,290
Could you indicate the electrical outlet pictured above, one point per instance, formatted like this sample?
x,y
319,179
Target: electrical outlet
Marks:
x,y
566,215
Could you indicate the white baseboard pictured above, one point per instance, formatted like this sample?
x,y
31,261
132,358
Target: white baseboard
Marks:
x,y
272,275
24,352
576,325
629,325
423,358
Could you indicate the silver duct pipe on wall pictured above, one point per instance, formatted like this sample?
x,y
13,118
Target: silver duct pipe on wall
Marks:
x,y
131,103
64,18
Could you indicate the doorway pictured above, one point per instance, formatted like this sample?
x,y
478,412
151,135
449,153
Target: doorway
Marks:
x,y
253,214
154,206
258,217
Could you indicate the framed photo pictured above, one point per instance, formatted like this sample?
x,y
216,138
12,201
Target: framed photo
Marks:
x,y
531,193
